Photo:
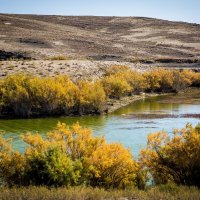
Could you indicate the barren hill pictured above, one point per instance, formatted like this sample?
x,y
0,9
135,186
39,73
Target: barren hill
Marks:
x,y
92,41
98,38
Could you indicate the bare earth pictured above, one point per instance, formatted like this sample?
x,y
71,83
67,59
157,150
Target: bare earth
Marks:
x,y
93,43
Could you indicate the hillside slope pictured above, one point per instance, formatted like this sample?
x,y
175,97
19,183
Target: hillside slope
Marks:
x,y
99,38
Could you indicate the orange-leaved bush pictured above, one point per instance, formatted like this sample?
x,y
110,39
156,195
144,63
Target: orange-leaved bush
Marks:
x,y
67,156
91,97
174,158
116,86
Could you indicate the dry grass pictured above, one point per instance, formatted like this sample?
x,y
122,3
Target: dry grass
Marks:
x,y
59,57
81,193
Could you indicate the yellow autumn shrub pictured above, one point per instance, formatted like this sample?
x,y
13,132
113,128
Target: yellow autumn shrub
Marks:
x,y
91,97
116,86
116,69
174,158
24,95
135,79
53,95
67,156
159,79
182,80
111,166
76,141
14,94
12,164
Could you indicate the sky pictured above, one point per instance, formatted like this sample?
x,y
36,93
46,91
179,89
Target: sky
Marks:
x,y
174,10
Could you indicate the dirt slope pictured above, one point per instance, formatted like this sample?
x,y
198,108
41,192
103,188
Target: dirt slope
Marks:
x,y
99,38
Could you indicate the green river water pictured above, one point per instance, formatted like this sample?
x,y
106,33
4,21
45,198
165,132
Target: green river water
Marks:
x,y
129,125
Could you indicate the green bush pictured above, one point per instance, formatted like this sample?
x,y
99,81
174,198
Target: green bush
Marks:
x,y
52,168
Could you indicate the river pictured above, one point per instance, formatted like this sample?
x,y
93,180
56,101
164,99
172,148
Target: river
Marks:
x,y
129,125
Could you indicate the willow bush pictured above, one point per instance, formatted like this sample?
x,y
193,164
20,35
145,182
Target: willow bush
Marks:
x,y
15,96
67,156
174,158
72,156
53,95
24,95
91,97
116,86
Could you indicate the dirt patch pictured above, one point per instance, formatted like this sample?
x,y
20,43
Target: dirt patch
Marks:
x,y
4,55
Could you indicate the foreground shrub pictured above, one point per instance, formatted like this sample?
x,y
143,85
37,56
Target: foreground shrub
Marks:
x,y
51,168
12,164
67,157
175,159
112,166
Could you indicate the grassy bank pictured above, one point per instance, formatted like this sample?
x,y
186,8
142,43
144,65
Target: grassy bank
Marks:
x,y
28,96
170,192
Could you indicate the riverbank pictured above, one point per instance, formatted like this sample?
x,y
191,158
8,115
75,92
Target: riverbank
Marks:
x,y
186,96
27,96
115,104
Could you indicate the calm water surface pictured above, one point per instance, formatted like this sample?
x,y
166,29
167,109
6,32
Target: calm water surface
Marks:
x,y
127,125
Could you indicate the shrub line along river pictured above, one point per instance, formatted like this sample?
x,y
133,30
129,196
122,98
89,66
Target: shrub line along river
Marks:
x,y
129,125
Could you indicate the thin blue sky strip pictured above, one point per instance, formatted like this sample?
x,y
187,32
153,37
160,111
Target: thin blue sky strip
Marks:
x,y
175,10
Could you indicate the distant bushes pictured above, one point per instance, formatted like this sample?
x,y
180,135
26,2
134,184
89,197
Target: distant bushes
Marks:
x,y
116,86
91,97
71,156
58,57
120,81
25,95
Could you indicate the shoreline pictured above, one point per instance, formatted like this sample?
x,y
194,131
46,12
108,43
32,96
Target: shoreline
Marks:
x,y
125,101
111,106
114,105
